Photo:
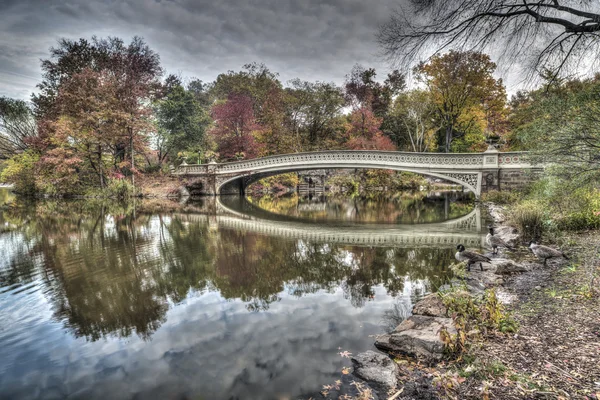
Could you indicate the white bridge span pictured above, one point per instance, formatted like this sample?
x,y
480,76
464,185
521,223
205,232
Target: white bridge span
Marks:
x,y
477,172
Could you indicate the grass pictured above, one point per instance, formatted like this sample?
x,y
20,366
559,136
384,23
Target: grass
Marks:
x,y
529,217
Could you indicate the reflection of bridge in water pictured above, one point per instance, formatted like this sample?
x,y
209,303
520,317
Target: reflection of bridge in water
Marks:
x,y
448,234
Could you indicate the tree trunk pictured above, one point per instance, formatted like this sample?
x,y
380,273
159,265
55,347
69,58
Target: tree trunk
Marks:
x,y
448,138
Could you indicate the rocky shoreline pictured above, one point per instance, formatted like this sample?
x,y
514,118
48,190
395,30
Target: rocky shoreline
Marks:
x,y
418,337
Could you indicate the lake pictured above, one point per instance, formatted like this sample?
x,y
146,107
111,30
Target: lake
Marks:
x,y
231,298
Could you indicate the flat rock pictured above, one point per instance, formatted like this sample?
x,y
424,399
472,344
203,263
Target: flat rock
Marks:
x,y
506,267
377,369
418,336
487,277
430,305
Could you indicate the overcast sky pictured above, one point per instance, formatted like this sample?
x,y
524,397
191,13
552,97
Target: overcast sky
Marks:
x,y
309,39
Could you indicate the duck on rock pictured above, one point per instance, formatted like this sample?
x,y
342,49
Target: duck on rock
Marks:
x,y
470,257
545,252
494,241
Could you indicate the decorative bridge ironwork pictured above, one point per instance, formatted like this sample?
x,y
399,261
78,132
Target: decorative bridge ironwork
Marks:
x,y
476,172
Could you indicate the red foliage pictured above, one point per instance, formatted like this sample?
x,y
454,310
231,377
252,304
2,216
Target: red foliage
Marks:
x,y
235,124
364,133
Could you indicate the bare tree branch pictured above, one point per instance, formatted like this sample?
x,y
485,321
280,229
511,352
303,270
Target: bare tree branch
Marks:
x,y
545,33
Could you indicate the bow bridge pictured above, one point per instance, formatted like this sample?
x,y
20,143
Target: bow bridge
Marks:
x,y
476,172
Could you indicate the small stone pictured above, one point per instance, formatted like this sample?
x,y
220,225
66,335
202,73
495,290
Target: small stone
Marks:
x,y
431,305
377,369
538,288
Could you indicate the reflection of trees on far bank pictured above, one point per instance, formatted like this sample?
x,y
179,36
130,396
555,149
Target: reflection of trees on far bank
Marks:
x,y
111,270
398,208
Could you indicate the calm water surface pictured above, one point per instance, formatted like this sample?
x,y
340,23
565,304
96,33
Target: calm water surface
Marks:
x,y
230,299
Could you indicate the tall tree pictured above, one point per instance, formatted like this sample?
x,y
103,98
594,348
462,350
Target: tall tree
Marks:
x,y
181,123
99,93
18,127
414,110
235,127
255,81
362,90
313,110
364,134
561,126
460,83
543,33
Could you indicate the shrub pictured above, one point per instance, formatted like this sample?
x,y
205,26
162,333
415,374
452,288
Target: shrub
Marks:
x,y
277,183
529,217
584,212
473,316
498,197
119,189
20,171
409,180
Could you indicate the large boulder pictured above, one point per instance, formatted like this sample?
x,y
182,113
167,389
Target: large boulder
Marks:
x,y
507,267
430,305
378,370
418,336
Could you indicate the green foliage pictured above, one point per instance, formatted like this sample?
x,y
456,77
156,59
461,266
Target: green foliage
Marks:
x,y
502,197
473,316
276,183
181,123
20,171
559,123
530,218
556,204
116,188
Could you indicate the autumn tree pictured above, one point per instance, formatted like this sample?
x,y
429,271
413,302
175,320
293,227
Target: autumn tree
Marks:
x,y
94,102
18,128
463,92
235,127
313,111
363,132
554,34
255,81
362,90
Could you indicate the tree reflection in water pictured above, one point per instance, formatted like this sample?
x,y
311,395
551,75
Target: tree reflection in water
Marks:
x,y
111,269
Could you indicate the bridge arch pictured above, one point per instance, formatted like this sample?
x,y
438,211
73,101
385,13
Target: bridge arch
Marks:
x,y
243,181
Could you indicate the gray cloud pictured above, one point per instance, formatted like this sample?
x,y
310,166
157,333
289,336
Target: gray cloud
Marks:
x,y
311,39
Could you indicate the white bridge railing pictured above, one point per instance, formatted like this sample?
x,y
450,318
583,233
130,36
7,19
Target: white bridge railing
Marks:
x,y
367,158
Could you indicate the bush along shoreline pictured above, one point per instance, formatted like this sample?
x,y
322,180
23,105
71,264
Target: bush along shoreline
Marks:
x,y
517,330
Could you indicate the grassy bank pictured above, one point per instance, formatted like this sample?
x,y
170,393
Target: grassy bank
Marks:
x,y
555,351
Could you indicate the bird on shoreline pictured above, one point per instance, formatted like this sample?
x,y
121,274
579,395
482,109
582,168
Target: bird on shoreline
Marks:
x,y
470,257
545,252
494,241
